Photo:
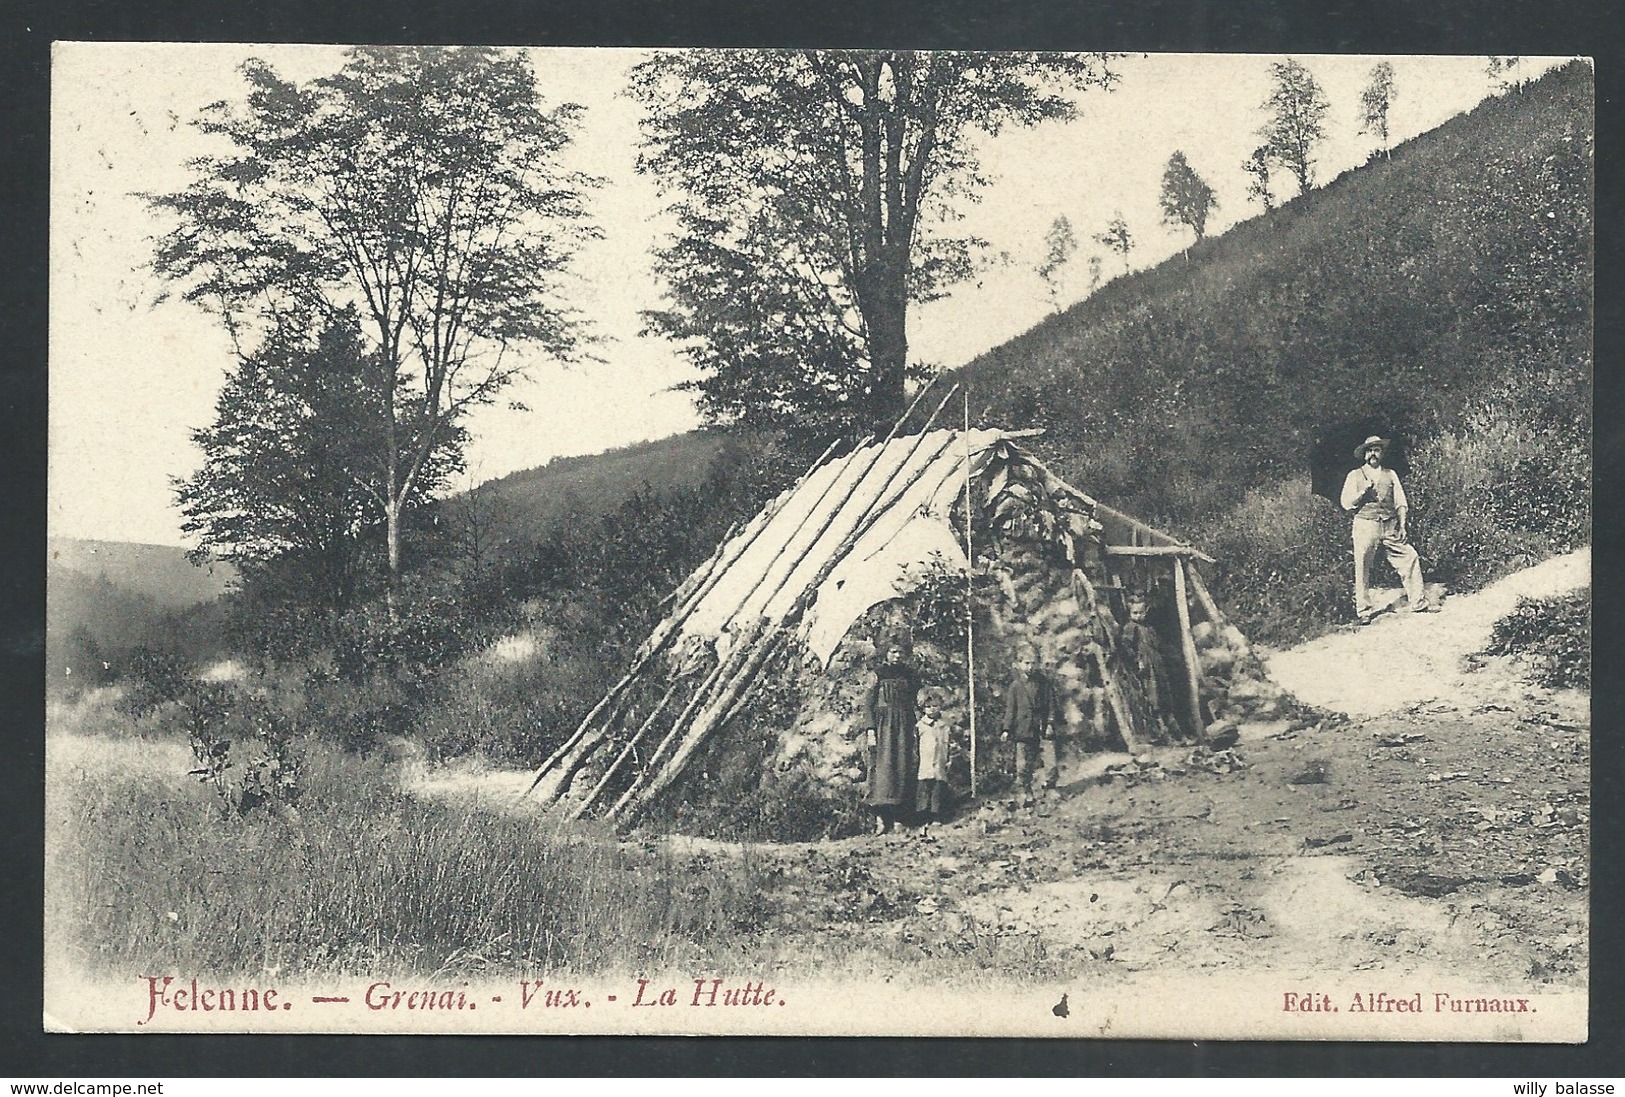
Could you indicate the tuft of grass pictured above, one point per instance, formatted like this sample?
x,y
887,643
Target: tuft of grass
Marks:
x,y
145,873
1553,634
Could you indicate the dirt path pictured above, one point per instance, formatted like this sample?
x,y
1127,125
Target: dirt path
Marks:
x,y
1403,658
1435,840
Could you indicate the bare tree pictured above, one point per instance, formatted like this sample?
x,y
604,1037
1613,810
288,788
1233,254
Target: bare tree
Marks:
x,y
477,516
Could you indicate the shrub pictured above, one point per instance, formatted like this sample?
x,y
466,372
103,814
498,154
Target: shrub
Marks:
x,y
360,717
1286,562
1511,485
1553,634
155,678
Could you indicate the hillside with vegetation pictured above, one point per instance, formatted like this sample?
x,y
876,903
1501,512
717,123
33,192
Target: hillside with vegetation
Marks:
x,y
529,505
109,600
1443,295
159,572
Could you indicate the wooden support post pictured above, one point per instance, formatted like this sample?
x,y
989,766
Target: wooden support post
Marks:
x,y
651,784
610,704
970,607
1233,635
694,736
832,513
716,680
1088,601
1120,706
1193,670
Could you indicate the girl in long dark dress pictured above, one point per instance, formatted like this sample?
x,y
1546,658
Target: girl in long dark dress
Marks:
x,y
894,759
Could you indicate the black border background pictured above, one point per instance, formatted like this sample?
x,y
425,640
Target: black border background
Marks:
x,y
1556,27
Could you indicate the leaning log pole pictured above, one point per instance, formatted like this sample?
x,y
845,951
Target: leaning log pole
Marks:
x,y
1193,670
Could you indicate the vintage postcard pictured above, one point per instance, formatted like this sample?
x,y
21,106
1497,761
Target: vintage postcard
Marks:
x,y
819,542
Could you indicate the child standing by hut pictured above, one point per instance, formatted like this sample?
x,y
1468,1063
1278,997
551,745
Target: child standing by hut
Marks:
x,y
1029,719
934,740
893,737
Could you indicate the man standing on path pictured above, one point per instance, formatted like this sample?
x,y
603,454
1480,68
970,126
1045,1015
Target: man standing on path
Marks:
x,y
1374,496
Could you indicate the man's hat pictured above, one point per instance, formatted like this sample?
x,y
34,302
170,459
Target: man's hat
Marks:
x,y
1374,440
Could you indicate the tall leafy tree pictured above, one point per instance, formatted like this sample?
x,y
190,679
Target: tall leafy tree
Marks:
x,y
1297,113
421,188
1117,237
815,193
1257,167
1375,101
290,481
1186,197
1059,245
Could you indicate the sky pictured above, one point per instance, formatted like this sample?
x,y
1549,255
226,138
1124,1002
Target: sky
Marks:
x,y
133,373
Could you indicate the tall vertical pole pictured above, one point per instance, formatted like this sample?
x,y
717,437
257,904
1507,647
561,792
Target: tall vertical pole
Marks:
x,y
1188,648
970,605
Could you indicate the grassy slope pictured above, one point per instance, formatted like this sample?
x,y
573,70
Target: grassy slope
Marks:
x,y
1438,292
529,504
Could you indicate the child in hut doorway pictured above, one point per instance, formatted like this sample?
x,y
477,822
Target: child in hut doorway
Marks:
x,y
1142,652
934,740
1030,719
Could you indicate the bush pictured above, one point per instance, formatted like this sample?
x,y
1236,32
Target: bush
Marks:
x,y
1553,634
155,678
1286,562
1510,486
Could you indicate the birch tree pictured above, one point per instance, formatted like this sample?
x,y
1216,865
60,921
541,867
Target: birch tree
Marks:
x,y
1297,113
1059,245
1186,197
419,187
1375,101
1117,237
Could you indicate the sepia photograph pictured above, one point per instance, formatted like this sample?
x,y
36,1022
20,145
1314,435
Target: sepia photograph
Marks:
x,y
819,542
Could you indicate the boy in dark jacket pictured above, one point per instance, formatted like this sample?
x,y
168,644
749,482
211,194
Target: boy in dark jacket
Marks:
x,y
1029,719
